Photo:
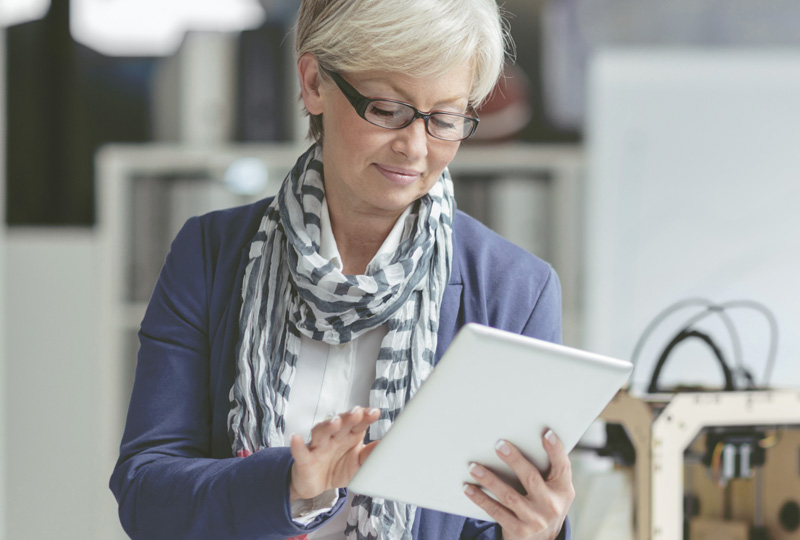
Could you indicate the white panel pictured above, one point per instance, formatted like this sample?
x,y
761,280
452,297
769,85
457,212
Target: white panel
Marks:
x,y
53,386
693,191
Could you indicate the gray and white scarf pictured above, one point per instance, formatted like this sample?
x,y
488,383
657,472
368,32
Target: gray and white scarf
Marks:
x,y
290,290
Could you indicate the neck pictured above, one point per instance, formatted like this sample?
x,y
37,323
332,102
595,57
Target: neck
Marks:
x,y
359,237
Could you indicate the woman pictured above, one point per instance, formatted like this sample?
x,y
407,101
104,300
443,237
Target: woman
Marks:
x,y
271,320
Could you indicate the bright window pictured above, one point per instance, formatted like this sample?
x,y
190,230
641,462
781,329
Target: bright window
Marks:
x,y
20,11
155,27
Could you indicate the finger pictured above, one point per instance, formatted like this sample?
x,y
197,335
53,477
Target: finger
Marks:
x,y
506,495
369,416
322,432
560,474
356,421
529,476
502,515
352,418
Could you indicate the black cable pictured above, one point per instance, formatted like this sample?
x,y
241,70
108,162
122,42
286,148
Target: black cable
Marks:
x,y
680,337
689,302
771,321
720,309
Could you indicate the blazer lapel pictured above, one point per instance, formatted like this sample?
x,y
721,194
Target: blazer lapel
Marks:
x,y
451,312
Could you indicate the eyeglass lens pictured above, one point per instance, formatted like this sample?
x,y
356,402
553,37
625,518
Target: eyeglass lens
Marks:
x,y
393,115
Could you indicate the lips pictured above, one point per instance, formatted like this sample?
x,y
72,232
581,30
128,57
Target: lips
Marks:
x,y
398,175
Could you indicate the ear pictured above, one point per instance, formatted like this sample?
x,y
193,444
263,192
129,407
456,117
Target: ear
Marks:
x,y
310,83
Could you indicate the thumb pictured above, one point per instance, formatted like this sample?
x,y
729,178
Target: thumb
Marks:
x,y
366,451
298,448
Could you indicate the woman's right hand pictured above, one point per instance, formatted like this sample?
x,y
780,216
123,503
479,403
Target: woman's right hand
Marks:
x,y
334,454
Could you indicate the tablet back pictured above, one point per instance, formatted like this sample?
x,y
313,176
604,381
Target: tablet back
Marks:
x,y
489,385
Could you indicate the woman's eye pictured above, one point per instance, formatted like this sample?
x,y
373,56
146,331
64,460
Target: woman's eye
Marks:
x,y
443,122
385,109
382,112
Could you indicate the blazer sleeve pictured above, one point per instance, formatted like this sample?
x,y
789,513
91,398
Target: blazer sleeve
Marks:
x,y
544,321
166,483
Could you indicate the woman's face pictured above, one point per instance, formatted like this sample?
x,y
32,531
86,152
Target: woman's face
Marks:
x,y
378,172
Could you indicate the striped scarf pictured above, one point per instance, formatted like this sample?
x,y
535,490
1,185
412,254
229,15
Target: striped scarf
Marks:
x,y
290,290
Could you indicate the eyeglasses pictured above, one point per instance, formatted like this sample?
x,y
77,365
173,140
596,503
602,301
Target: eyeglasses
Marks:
x,y
391,114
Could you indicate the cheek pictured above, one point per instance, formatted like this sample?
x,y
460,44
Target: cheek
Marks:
x,y
443,154
341,123
356,136
439,158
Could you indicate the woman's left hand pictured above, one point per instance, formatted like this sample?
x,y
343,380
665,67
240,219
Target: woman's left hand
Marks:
x,y
541,511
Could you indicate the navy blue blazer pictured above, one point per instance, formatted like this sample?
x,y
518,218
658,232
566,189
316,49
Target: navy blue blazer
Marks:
x,y
176,476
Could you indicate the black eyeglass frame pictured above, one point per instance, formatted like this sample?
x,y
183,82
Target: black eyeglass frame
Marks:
x,y
361,102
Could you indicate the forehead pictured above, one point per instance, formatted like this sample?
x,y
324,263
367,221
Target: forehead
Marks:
x,y
450,88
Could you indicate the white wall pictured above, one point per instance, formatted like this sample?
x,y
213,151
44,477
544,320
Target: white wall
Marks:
x,y
693,191
53,453
2,282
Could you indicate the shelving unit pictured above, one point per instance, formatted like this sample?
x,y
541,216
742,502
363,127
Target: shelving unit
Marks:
x,y
529,194
532,195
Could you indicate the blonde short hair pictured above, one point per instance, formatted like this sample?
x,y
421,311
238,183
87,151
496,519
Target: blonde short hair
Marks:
x,y
421,38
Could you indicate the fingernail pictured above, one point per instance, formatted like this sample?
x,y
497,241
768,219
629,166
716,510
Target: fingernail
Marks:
x,y
374,411
503,448
476,470
354,410
550,436
469,490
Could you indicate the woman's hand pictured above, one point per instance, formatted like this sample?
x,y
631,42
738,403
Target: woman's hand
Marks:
x,y
334,454
541,511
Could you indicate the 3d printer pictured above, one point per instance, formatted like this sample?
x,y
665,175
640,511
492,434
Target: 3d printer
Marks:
x,y
710,464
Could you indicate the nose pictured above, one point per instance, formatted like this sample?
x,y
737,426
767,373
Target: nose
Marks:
x,y
412,140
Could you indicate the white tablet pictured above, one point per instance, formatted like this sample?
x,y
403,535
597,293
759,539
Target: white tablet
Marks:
x,y
489,385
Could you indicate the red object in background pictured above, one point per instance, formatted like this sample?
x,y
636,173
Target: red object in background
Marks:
x,y
508,109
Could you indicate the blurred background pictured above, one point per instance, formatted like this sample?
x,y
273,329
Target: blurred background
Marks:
x,y
647,149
